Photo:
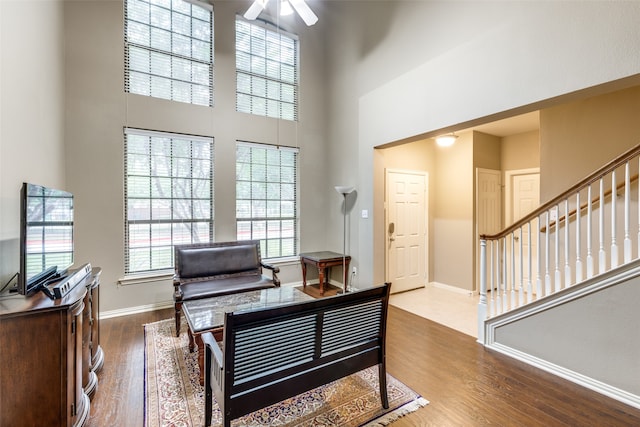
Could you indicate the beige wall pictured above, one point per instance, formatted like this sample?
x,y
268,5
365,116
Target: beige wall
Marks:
x,y
453,214
521,151
365,92
414,156
98,109
476,72
452,192
451,197
578,137
31,111
487,151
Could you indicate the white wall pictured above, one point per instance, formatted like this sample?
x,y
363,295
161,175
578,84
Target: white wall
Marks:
x,y
31,111
414,68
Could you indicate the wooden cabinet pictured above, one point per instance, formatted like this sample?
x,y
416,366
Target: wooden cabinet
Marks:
x,y
92,355
45,350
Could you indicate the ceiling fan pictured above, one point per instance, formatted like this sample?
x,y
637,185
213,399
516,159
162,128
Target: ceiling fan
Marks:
x,y
300,6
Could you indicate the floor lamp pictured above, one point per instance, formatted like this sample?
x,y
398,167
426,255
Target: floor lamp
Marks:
x,y
344,190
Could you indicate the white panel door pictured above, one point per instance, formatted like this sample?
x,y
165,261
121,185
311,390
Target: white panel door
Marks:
x,y
406,247
489,208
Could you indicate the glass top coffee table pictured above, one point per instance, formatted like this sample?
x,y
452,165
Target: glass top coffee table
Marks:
x,y
207,314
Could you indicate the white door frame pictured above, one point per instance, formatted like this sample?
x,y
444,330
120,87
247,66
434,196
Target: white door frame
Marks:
x,y
426,219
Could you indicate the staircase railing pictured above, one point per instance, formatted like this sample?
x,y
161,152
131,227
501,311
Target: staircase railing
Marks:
x,y
583,232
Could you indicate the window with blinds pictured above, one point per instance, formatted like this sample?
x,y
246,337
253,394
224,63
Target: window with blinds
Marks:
x,y
266,71
169,50
168,196
266,198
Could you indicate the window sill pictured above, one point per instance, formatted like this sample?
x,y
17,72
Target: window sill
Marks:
x,y
281,262
138,279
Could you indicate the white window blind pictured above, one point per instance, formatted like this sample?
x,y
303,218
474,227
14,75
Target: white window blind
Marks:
x,y
266,71
168,196
266,197
169,50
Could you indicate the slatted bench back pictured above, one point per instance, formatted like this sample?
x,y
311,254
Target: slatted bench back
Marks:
x,y
275,353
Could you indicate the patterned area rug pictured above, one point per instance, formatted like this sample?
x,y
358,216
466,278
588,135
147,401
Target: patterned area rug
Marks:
x,y
174,396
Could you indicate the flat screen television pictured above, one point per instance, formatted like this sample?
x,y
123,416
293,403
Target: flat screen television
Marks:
x,y
46,236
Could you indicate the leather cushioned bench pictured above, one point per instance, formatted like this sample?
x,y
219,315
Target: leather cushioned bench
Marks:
x,y
205,270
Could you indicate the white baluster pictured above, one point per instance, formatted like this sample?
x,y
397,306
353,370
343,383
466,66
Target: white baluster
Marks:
x,y
491,280
547,254
497,289
578,240
505,278
529,263
614,228
557,276
496,267
513,271
627,203
589,230
521,278
567,245
482,304
602,261
538,261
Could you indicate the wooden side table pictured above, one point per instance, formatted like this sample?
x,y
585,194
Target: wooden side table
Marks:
x,y
322,261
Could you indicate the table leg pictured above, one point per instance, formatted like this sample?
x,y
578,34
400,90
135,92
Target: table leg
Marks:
x,y
191,344
304,274
200,343
321,279
217,335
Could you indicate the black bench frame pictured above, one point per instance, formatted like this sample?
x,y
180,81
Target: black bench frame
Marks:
x,y
272,354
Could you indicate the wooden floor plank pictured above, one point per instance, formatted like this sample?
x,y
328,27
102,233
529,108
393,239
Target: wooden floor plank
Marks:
x,y
466,384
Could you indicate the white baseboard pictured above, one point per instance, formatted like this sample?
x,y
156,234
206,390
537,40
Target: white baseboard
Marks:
x,y
451,288
575,377
135,310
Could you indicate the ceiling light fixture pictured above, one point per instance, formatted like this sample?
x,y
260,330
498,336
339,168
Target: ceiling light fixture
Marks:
x,y
285,8
300,6
446,140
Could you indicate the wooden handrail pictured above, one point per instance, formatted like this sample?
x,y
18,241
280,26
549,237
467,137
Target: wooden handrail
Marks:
x,y
595,200
583,183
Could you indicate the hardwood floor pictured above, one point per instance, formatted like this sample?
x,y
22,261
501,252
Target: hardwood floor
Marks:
x,y
466,384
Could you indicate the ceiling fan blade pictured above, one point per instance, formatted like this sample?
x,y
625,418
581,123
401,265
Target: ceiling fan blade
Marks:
x,y
255,9
304,11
